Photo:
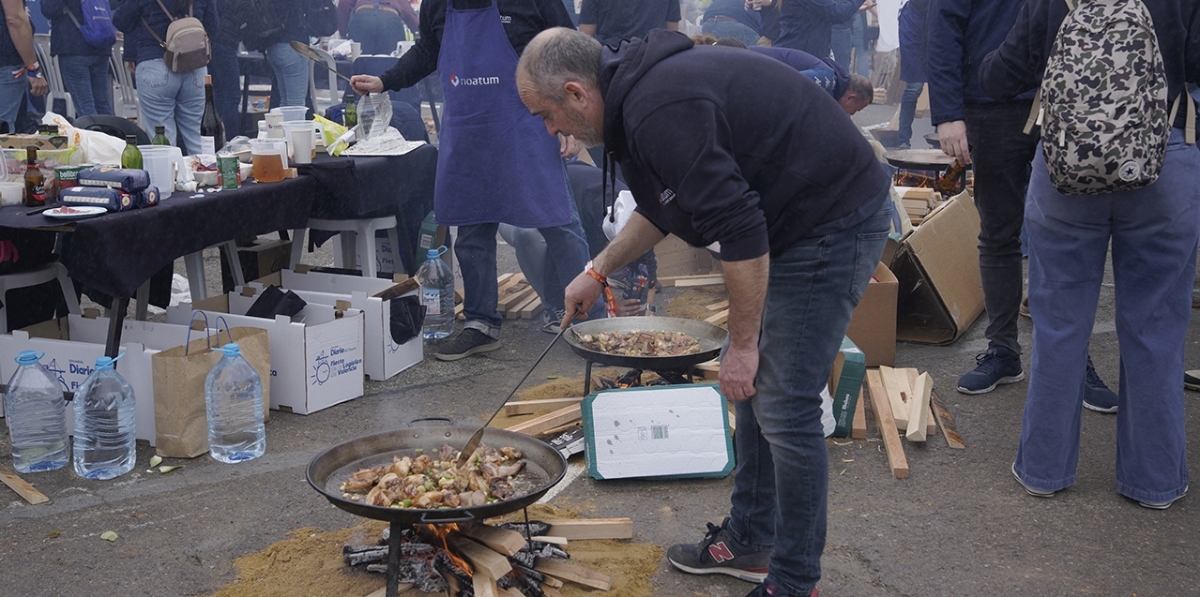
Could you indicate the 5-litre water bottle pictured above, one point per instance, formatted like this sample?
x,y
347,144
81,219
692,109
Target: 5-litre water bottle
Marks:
x,y
104,424
437,294
36,415
234,400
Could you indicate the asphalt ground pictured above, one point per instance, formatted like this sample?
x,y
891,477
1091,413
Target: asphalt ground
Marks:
x,y
958,526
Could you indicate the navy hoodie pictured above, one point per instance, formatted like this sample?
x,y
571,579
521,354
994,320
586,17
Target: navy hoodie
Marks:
x,y
712,153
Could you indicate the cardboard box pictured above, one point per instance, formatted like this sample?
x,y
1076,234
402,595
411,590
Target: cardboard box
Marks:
x,y
677,258
384,358
316,359
873,323
18,141
71,361
263,258
940,293
663,431
845,382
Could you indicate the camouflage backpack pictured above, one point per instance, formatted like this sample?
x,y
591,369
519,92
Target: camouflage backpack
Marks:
x,y
1103,100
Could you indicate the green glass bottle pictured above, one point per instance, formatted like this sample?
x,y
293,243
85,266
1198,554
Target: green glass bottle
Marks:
x,y
160,136
132,156
351,115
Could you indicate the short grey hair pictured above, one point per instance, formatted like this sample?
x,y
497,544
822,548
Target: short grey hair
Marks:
x,y
558,56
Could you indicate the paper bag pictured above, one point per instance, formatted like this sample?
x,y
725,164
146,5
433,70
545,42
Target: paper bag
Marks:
x,y
180,419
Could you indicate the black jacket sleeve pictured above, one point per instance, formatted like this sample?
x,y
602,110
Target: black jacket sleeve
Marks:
x,y
1017,65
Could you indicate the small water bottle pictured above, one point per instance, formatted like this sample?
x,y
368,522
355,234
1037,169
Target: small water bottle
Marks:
x,y
36,415
104,424
437,294
234,400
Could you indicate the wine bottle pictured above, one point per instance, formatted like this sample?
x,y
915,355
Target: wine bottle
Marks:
x,y
35,182
132,156
350,116
160,136
212,130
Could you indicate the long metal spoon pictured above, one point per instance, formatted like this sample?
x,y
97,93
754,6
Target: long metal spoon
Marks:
x,y
311,54
473,443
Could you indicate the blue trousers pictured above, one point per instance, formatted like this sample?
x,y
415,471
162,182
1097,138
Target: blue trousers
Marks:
x,y
291,73
1153,232
87,80
781,484
174,100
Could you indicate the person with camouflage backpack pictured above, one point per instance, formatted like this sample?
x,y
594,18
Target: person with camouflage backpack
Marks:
x,y
1138,190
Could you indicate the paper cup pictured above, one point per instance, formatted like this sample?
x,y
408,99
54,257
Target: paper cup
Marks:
x,y
302,145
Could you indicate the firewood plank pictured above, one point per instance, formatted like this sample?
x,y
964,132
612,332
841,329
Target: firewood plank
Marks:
x,y
480,557
509,592
548,421
930,420
513,280
893,386
484,583
528,407
882,409
552,582
21,486
532,309
517,309
560,541
718,306
700,281
918,408
719,319
591,528
516,295
858,427
549,591
505,541
574,573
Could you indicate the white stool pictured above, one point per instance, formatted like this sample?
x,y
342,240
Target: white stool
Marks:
x,y
357,237
43,274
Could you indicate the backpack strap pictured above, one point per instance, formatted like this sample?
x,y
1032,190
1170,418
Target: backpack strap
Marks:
x,y
71,15
168,13
169,16
1035,112
153,34
1189,128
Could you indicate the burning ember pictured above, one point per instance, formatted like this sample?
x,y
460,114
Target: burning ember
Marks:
x,y
633,379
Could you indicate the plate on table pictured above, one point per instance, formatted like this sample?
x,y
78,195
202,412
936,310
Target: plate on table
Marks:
x,y
75,212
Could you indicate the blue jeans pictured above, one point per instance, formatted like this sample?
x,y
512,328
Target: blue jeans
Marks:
x,y
378,31
780,486
12,95
1154,233
1001,154
173,100
291,73
908,110
564,245
227,90
87,80
852,36
723,29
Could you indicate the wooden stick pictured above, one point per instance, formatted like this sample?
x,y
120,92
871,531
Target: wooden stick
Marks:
x,y
574,573
517,310
483,583
700,281
720,318
480,557
930,420
504,541
561,428
552,582
893,385
591,528
21,486
560,541
946,420
718,306
532,309
548,421
918,407
528,407
882,410
858,427
518,295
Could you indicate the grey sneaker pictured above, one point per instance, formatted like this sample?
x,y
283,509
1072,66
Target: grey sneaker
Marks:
x,y
1191,380
552,319
468,342
719,553
1041,493
1096,395
1163,505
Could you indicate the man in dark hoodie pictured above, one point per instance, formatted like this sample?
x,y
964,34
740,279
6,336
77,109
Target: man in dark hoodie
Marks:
x,y
785,182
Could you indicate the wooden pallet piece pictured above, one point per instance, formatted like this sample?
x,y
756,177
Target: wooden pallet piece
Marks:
x,y
591,528
538,425
528,407
515,296
721,318
512,280
946,421
930,420
882,409
480,557
21,486
858,426
577,574
718,306
458,311
918,408
893,387
502,541
517,309
532,309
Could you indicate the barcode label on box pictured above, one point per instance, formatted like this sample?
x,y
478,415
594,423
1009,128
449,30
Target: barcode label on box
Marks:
x,y
653,432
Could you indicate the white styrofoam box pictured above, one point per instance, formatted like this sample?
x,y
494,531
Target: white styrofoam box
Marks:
x,y
316,360
384,358
155,335
660,431
72,361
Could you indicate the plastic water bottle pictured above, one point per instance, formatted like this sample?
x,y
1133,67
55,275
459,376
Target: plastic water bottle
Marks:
x,y
36,415
104,424
437,294
234,400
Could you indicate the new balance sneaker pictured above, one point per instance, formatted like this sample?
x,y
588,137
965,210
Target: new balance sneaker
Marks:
x,y
1096,395
769,589
1042,493
720,553
552,319
468,342
1163,505
1191,380
996,366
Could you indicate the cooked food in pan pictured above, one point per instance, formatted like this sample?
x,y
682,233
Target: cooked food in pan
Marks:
x,y
638,343
431,481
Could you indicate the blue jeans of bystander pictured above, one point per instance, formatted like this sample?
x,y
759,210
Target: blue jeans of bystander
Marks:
x,y
12,94
291,73
173,100
908,111
87,80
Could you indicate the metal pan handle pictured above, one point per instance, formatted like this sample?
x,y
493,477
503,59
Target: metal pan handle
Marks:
x,y
427,519
448,420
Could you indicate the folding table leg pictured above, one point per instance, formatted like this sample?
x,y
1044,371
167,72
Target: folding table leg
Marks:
x,y
349,259
297,247
142,310
235,263
195,274
365,246
115,323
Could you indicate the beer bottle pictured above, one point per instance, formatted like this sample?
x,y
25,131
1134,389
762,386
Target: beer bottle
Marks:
x,y
132,156
35,183
949,180
350,118
160,136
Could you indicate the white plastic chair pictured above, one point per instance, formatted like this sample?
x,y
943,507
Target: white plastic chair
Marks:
x,y
357,238
125,98
41,275
41,43
320,104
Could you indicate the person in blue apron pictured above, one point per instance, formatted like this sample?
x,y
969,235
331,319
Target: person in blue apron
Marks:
x,y
495,164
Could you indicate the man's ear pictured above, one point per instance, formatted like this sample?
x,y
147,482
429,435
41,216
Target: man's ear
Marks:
x,y
576,92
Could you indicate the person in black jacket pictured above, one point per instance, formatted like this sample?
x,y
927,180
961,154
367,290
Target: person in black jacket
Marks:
x,y
1153,232
808,24
84,68
784,180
